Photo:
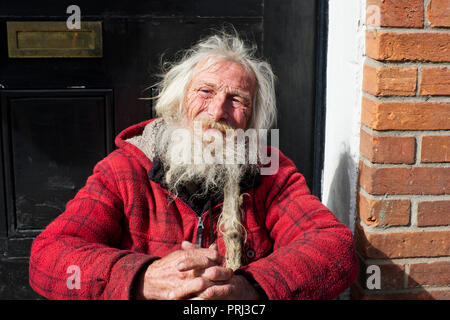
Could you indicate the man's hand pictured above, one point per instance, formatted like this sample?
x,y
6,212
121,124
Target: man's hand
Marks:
x,y
182,273
237,288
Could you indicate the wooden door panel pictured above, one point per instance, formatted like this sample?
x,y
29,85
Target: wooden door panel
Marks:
x,y
53,139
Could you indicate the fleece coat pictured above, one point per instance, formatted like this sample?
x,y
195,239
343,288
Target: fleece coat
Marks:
x,y
122,220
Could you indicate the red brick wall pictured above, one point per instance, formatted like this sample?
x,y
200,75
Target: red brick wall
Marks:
x,y
403,223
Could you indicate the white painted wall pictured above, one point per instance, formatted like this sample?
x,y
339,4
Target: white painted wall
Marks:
x,y
346,32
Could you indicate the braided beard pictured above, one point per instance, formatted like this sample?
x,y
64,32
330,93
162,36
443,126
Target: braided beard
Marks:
x,y
213,177
229,223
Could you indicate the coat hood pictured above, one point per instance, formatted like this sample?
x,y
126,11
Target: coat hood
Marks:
x,y
138,141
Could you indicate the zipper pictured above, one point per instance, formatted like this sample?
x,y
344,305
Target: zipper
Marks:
x,y
200,228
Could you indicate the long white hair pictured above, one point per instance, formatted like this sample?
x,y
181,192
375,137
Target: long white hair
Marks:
x,y
221,46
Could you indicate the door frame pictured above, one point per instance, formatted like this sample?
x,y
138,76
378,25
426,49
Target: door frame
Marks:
x,y
320,97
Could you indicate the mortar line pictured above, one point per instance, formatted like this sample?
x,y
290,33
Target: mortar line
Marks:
x,y
404,261
425,21
419,72
404,30
418,153
420,289
403,165
406,64
406,99
403,133
402,229
413,212
406,276
387,196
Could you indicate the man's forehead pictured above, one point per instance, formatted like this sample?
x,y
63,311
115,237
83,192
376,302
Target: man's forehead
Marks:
x,y
209,71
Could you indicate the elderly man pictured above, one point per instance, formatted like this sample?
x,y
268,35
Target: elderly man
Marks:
x,y
154,221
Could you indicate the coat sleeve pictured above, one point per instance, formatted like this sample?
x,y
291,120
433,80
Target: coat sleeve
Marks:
x,y
76,256
313,253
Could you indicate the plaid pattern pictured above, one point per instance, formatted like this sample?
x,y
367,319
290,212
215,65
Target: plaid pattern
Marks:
x,y
121,221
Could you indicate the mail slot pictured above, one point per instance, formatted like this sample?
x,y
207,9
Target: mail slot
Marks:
x,y
52,39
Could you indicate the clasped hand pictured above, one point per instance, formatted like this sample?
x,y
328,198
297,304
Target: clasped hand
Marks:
x,y
192,273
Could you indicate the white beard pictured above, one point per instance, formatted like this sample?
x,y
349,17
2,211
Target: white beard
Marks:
x,y
182,166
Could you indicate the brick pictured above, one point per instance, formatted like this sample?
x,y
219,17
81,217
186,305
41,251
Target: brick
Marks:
x,y
433,213
417,46
382,115
383,212
392,276
388,245
435,81
429,274
435,149
385,149
393,13
358,293
380,81
438,13
414,180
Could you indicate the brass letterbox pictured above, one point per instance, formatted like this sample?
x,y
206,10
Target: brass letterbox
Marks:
x,y
53,39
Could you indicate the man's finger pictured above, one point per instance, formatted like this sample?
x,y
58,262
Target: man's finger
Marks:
x,y
199,258
186,245
217,292
217,273
195,262
190,287
191,274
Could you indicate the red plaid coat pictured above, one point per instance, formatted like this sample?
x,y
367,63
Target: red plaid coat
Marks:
x,y
120,221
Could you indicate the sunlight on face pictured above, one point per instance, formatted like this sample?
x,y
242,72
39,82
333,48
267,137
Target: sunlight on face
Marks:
x,y
222,92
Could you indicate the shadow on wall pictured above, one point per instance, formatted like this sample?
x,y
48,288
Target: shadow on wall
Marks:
x,y
342,189
340,194
394,284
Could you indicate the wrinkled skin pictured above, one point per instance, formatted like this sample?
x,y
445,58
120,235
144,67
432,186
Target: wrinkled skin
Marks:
x,y
192,273
222,92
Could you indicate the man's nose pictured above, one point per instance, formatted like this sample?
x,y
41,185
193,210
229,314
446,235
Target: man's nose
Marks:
x,y
217,108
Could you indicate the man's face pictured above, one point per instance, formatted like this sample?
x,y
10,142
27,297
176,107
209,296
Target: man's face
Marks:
x,y
221,92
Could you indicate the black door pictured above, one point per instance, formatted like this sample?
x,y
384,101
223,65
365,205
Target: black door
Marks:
x,y
59,116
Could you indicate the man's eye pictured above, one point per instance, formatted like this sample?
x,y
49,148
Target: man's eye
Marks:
x,y
206,91
239,102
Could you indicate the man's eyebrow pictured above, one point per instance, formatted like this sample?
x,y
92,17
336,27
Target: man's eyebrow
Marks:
x,y
208,84
234,92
